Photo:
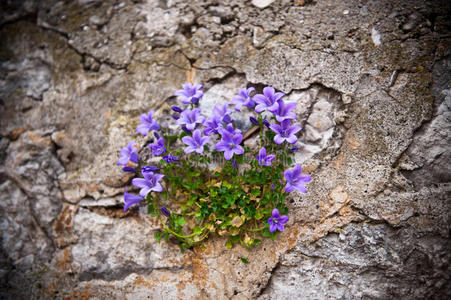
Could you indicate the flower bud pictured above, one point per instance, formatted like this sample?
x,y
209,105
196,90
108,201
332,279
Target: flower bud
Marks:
x,y
176,109
157,136
266,123
147,169
129,169
165,211
294,149
253,120
235,165
175,117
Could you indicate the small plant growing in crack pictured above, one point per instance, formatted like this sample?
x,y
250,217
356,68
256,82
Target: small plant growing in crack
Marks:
x,y
206,181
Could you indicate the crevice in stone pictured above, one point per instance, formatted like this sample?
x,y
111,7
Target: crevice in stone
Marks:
x,y
121,274
263,289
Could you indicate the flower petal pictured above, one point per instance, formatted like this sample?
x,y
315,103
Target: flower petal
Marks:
x,y
275,213
272,227
283,219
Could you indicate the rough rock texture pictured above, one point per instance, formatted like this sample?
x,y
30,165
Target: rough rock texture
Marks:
x,y
372,82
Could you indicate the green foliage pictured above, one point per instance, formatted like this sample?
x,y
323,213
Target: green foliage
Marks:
x,y
223,201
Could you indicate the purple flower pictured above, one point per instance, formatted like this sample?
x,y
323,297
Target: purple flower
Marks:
x,y
195,143
253,120
147,123
285,132
149,183
158,147
165,211
170,158
268,100
129,169
212,125
127,154
230,144
190,93
264,160
266,123
296,180
176,109
157,136
190,118
229,128
175,116
276,221
294,149
222,113
284,110
130,199
243,98
149,169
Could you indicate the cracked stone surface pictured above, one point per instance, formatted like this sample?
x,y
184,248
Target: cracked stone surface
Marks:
x,y
371,80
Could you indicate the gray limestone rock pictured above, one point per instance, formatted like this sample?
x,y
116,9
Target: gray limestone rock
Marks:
x,y
371,83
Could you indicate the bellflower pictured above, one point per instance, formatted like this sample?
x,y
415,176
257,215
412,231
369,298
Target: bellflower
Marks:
x,y
170,158
165,211
147,123
296,180
285,132
276,221
230,144
158,147
149,169
243,98
190,93
267,101
229,128
222,113
130,199
284,110
190,118
263,159
127,154
149,183
212,125
195,143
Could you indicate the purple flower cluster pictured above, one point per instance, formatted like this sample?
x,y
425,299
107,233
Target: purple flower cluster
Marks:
x,y
220,130
230,143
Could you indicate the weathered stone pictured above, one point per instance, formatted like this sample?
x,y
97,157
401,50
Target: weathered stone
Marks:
x,y
371,83
364,260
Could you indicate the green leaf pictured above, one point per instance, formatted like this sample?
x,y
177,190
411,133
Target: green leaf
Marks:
x,y
179,221
158,236
244,260
197,230
229,244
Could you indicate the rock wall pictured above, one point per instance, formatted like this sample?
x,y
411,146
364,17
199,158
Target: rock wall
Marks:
x,y
372,82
